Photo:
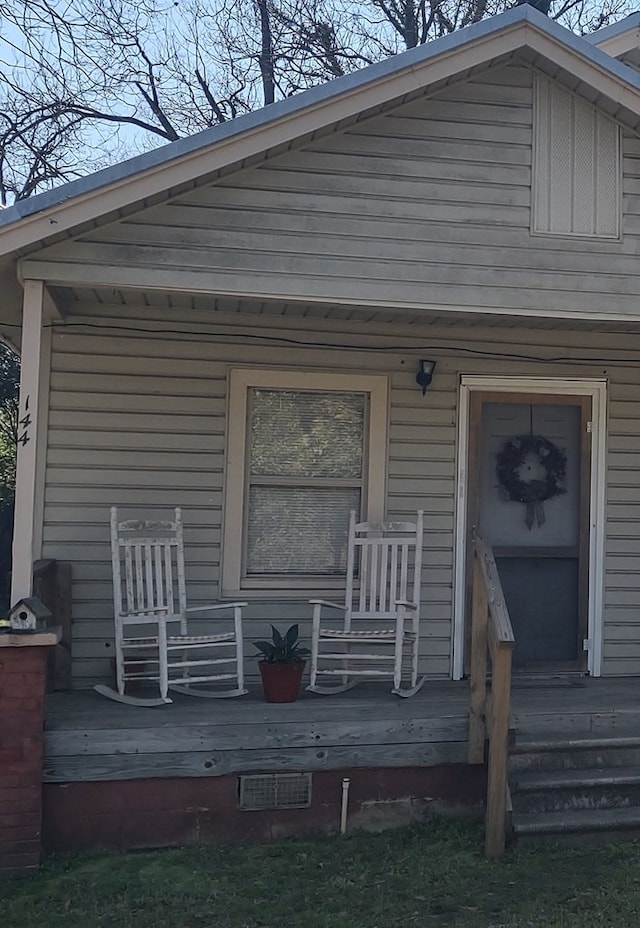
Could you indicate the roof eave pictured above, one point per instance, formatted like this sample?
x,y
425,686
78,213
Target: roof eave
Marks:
x,y
619,45
617,38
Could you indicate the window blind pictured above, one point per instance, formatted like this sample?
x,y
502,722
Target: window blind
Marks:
x,y
306,465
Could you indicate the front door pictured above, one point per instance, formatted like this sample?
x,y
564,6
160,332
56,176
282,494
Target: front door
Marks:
x,y
529,499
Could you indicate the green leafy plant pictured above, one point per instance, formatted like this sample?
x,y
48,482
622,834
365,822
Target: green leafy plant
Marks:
x,y
282,649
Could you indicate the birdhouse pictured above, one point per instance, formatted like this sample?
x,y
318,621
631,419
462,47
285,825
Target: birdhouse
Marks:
x,y
28,615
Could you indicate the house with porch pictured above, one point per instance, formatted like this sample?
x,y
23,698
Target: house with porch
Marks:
x,y
474,202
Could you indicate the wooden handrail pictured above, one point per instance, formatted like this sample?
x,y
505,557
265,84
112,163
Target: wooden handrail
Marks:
x,y
492,644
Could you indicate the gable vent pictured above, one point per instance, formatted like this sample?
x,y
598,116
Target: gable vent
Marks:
x,y
275,791
577,166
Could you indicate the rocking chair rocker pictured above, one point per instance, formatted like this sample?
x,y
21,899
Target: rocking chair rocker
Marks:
x,y
149,597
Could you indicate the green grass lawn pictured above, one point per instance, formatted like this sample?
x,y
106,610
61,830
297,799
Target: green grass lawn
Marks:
x,y
431,875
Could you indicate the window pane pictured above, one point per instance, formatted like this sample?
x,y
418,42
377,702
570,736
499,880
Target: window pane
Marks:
x,y
299,531
306,434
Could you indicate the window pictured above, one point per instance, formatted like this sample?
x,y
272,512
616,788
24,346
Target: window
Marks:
x,y
577,166
303,450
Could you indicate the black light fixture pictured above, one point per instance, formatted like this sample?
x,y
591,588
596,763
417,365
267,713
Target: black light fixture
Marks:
x,y
425,374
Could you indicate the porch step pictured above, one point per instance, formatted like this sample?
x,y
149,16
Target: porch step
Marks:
x,y
576,753
579,822
565,786
558,790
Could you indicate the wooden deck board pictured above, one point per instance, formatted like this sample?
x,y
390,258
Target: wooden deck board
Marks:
x,y
271,735
89,738
86,709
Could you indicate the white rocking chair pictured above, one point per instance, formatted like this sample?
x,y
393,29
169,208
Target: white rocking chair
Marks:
x,y
379,633
149,596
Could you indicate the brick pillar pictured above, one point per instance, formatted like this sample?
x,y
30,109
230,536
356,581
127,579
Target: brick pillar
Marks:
x,y
23,666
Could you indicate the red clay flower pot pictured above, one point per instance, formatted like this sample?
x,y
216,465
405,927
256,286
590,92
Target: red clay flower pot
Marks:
x,y
281,682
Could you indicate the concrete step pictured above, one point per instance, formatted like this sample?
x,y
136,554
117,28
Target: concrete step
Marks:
x,y
566,789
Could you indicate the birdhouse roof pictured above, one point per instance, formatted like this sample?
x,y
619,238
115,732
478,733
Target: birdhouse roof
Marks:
x,y
34,605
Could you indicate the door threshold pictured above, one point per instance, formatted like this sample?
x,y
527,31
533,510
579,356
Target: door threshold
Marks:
x,y
549,675
548,668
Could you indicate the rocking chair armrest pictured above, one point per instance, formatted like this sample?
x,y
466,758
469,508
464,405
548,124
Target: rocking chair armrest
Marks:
x,y
406,604
214,607
326,602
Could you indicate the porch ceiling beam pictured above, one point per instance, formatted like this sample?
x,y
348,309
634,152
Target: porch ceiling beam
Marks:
x,y
234,284
52,308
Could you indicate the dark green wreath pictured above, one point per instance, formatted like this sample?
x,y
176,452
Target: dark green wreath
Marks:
x,y
533,493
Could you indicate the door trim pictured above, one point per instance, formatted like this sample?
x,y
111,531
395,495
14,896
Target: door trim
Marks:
x,y
597,391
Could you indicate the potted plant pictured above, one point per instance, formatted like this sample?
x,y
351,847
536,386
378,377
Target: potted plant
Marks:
x,y
282,665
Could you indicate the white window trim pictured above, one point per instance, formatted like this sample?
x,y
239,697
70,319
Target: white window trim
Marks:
x,y
240,382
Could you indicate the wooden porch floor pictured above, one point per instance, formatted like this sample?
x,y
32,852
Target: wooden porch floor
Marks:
x,y
88,738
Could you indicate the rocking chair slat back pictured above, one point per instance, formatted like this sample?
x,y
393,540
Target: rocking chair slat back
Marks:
x,y
149,589
148,570
385,568
381,626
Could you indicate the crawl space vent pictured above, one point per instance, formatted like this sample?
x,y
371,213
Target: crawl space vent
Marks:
x,y
275,791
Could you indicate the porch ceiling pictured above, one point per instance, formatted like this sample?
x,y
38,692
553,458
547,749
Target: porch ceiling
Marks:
x,y
71,299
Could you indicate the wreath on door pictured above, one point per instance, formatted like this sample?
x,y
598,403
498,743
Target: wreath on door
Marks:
x,y
531,470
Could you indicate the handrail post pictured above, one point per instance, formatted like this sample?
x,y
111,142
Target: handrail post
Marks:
x,y
489,713
496,817
478,667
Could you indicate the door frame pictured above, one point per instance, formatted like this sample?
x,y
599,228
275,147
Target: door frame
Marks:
x,y
560,387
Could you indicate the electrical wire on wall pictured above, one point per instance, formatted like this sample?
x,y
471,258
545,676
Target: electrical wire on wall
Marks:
x,y
275,340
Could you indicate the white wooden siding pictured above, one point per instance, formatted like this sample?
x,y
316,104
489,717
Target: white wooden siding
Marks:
x,y
428,204
425,205
120,433
139,421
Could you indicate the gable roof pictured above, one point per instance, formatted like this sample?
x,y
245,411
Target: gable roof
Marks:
x,y
547,45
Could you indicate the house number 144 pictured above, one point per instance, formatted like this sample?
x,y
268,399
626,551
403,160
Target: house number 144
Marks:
x,y
24,422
